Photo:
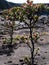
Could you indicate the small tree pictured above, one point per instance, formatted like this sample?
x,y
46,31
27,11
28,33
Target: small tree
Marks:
x,y
9,24
28,14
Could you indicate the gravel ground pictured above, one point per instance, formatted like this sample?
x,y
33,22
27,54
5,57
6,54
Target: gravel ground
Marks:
x,y
15,57
42,58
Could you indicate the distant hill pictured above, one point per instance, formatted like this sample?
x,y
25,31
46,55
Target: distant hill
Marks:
x,y
6,5
14,4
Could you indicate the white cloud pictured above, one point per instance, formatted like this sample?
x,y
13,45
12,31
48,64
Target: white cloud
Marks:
x,y
35,1
17,1
41,1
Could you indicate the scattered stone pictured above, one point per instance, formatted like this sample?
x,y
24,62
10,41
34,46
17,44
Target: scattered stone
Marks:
x,y
44,63
22,63
5,63
9,61
35,64
41,39
1,53
15,48
8,54
46,52
21,60
43,58
14,64
38,54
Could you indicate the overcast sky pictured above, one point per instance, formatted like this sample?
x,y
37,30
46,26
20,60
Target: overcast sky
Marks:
x,y
35,1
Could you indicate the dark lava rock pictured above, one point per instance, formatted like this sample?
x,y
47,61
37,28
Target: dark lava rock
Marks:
x,y
46,52
38,54
35,64
10,46
1,53
9,61
43,58
8,54
41,39
21,60
14,64
5,63
4,46
22,63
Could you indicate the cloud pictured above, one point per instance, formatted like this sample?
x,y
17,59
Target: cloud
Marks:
x,y
34,1
17,1
41,1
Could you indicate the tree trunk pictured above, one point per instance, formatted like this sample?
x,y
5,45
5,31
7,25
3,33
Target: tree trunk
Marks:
x,y
11,35
11,40
32,50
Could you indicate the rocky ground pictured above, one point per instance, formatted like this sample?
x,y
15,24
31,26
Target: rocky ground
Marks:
x,y
42,57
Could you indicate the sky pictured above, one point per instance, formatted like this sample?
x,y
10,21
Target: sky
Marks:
x,y
34,1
